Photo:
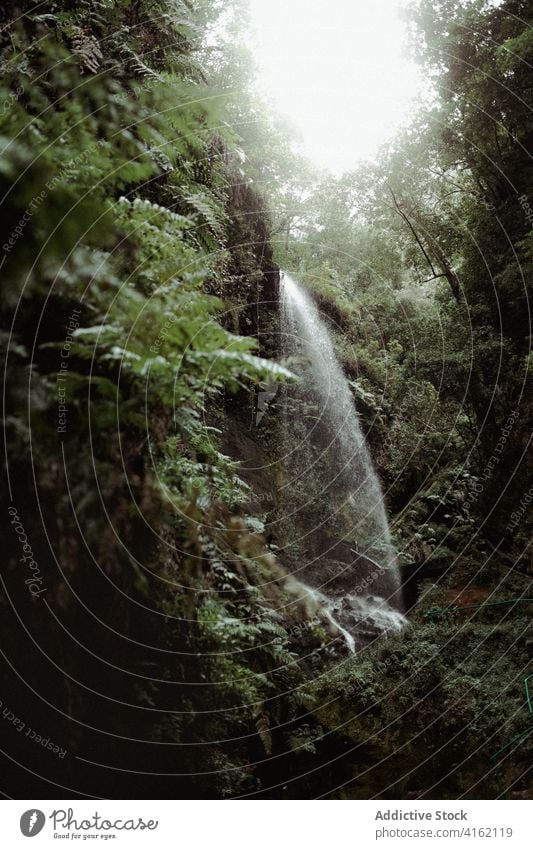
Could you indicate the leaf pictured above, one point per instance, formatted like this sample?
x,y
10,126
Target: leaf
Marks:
x,y
262,724
259,364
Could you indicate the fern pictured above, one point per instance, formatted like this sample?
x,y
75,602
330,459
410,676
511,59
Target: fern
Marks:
x,y
262,724
87,49
209,211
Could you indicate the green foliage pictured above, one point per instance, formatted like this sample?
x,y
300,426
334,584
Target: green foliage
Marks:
x,y
120,202
452,690
136,243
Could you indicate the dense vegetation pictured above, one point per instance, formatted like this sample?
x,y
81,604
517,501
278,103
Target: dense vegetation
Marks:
x,y
150,630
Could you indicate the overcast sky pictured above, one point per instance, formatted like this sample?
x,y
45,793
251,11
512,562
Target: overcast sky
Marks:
x,y
338,69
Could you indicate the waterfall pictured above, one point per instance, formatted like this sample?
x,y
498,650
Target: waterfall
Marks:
x,y
338,535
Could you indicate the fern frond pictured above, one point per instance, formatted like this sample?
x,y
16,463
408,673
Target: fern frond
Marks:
x,y
262,724
87,49
210,210
135,65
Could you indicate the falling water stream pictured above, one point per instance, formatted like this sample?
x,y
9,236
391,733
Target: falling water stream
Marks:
x,y
324,442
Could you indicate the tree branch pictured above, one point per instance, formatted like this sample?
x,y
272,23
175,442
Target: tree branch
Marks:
x,y
435,277
400,212
448,272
